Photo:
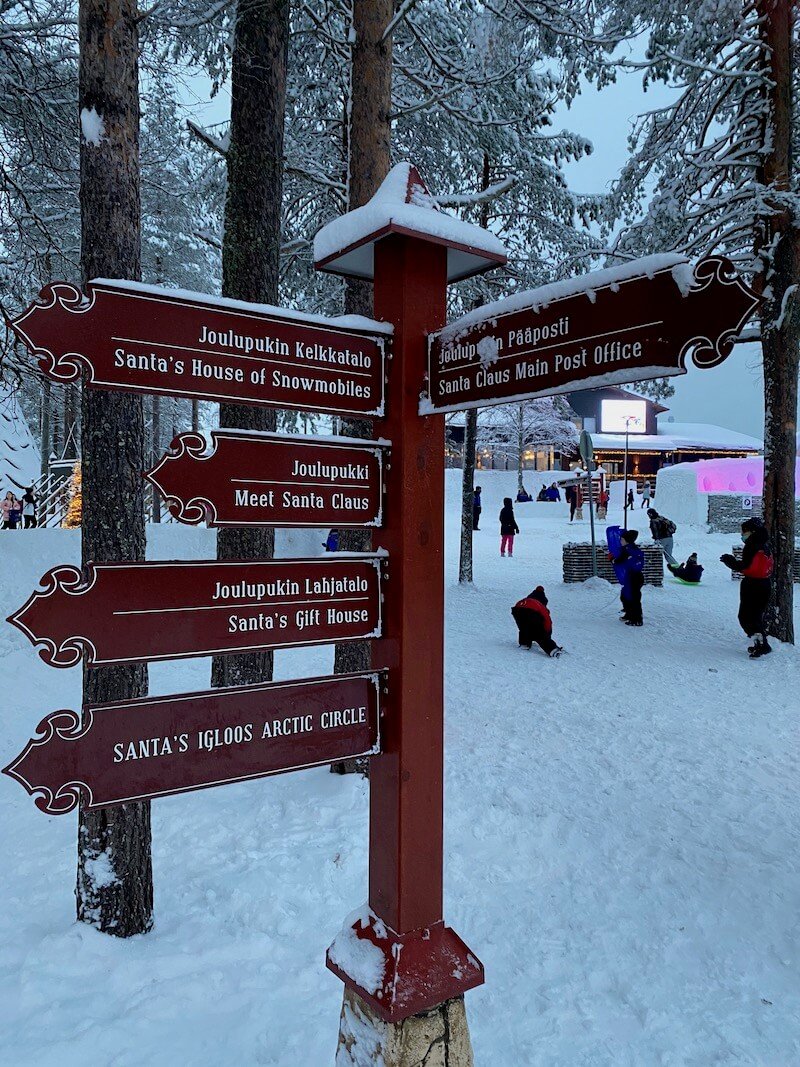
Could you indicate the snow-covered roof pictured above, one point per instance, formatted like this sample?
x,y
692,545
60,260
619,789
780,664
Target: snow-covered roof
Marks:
x,y
403,205
678,436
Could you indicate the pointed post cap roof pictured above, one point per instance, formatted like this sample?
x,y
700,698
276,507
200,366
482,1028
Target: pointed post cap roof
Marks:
x,y
403,205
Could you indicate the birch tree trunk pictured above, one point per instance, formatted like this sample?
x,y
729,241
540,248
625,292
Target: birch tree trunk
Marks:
x,y
467,494
369,150
251,242
780,314
115,878
45,440
520,445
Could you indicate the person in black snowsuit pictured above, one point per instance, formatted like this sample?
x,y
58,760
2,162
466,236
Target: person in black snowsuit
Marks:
x,y
571,497
690,571
535,624
630,569
755,568
508,527
476,507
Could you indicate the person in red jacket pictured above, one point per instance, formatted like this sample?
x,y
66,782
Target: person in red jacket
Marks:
x,y
534,623
756,571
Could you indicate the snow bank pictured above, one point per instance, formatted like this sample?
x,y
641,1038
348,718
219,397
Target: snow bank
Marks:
x,y
677,495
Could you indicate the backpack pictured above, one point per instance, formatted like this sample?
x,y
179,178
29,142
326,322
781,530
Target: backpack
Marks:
x,y
670,527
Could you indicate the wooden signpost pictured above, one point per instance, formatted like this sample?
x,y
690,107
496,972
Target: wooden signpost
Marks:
x,y
623,325
260,479
138,338
157,746
128,612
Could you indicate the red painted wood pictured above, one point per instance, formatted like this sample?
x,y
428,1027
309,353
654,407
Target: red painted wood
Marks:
x,y
125,338
636,329
127,612
406,781
140,749
252,479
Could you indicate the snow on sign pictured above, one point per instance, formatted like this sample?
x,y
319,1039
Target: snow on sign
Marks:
x,y
258,479
129,612
144,339
140,749
641,320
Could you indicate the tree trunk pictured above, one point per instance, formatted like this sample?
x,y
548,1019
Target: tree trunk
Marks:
x,y
195,416
46,443
155,453
369,143
779,243
467,494
520,445
251,242
471,437
115,878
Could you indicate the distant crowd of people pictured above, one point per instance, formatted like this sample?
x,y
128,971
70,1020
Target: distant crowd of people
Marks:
x,y
18,512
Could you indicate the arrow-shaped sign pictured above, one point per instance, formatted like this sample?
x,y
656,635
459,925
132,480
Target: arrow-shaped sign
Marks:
x,y
624,324
145,339
139,749
127,612
262,479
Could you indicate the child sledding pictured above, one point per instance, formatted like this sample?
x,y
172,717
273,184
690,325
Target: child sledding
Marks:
x,y
535,624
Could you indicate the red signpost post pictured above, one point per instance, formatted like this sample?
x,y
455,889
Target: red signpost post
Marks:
x,y
127,612
142,339
158,746
252,479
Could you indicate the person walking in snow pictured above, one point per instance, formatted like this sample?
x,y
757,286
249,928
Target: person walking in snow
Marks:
x,y
535,624
630,500
508,527
756,568
571,497
28,508
629,565
646,495
662,530
602,503
11,509
476,507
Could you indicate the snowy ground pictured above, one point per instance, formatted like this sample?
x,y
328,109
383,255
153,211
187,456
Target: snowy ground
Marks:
x,y
622,843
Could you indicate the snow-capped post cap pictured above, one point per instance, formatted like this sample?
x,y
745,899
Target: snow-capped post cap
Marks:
x,y
403,205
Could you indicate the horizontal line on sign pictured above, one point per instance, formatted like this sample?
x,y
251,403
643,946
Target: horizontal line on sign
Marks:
x,y
241,355
237,606
324,485
545,348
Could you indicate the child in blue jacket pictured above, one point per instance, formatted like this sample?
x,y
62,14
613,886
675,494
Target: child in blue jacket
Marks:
x,y
629,565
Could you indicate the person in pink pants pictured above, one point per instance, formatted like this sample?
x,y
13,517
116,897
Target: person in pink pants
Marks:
x,y
508,527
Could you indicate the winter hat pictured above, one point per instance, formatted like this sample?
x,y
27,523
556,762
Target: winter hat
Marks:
x,y
507,500
751,525
629,536
692,558
652,513
538,594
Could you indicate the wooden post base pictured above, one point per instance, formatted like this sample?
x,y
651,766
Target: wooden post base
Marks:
x,y
436,1038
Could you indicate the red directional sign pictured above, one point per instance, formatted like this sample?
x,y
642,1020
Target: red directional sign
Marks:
x,y
139,749
254,479
126,612
145,339
619,325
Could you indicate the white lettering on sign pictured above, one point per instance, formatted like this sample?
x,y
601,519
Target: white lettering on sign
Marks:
x,y
244,342
298,724
331,720
146,748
